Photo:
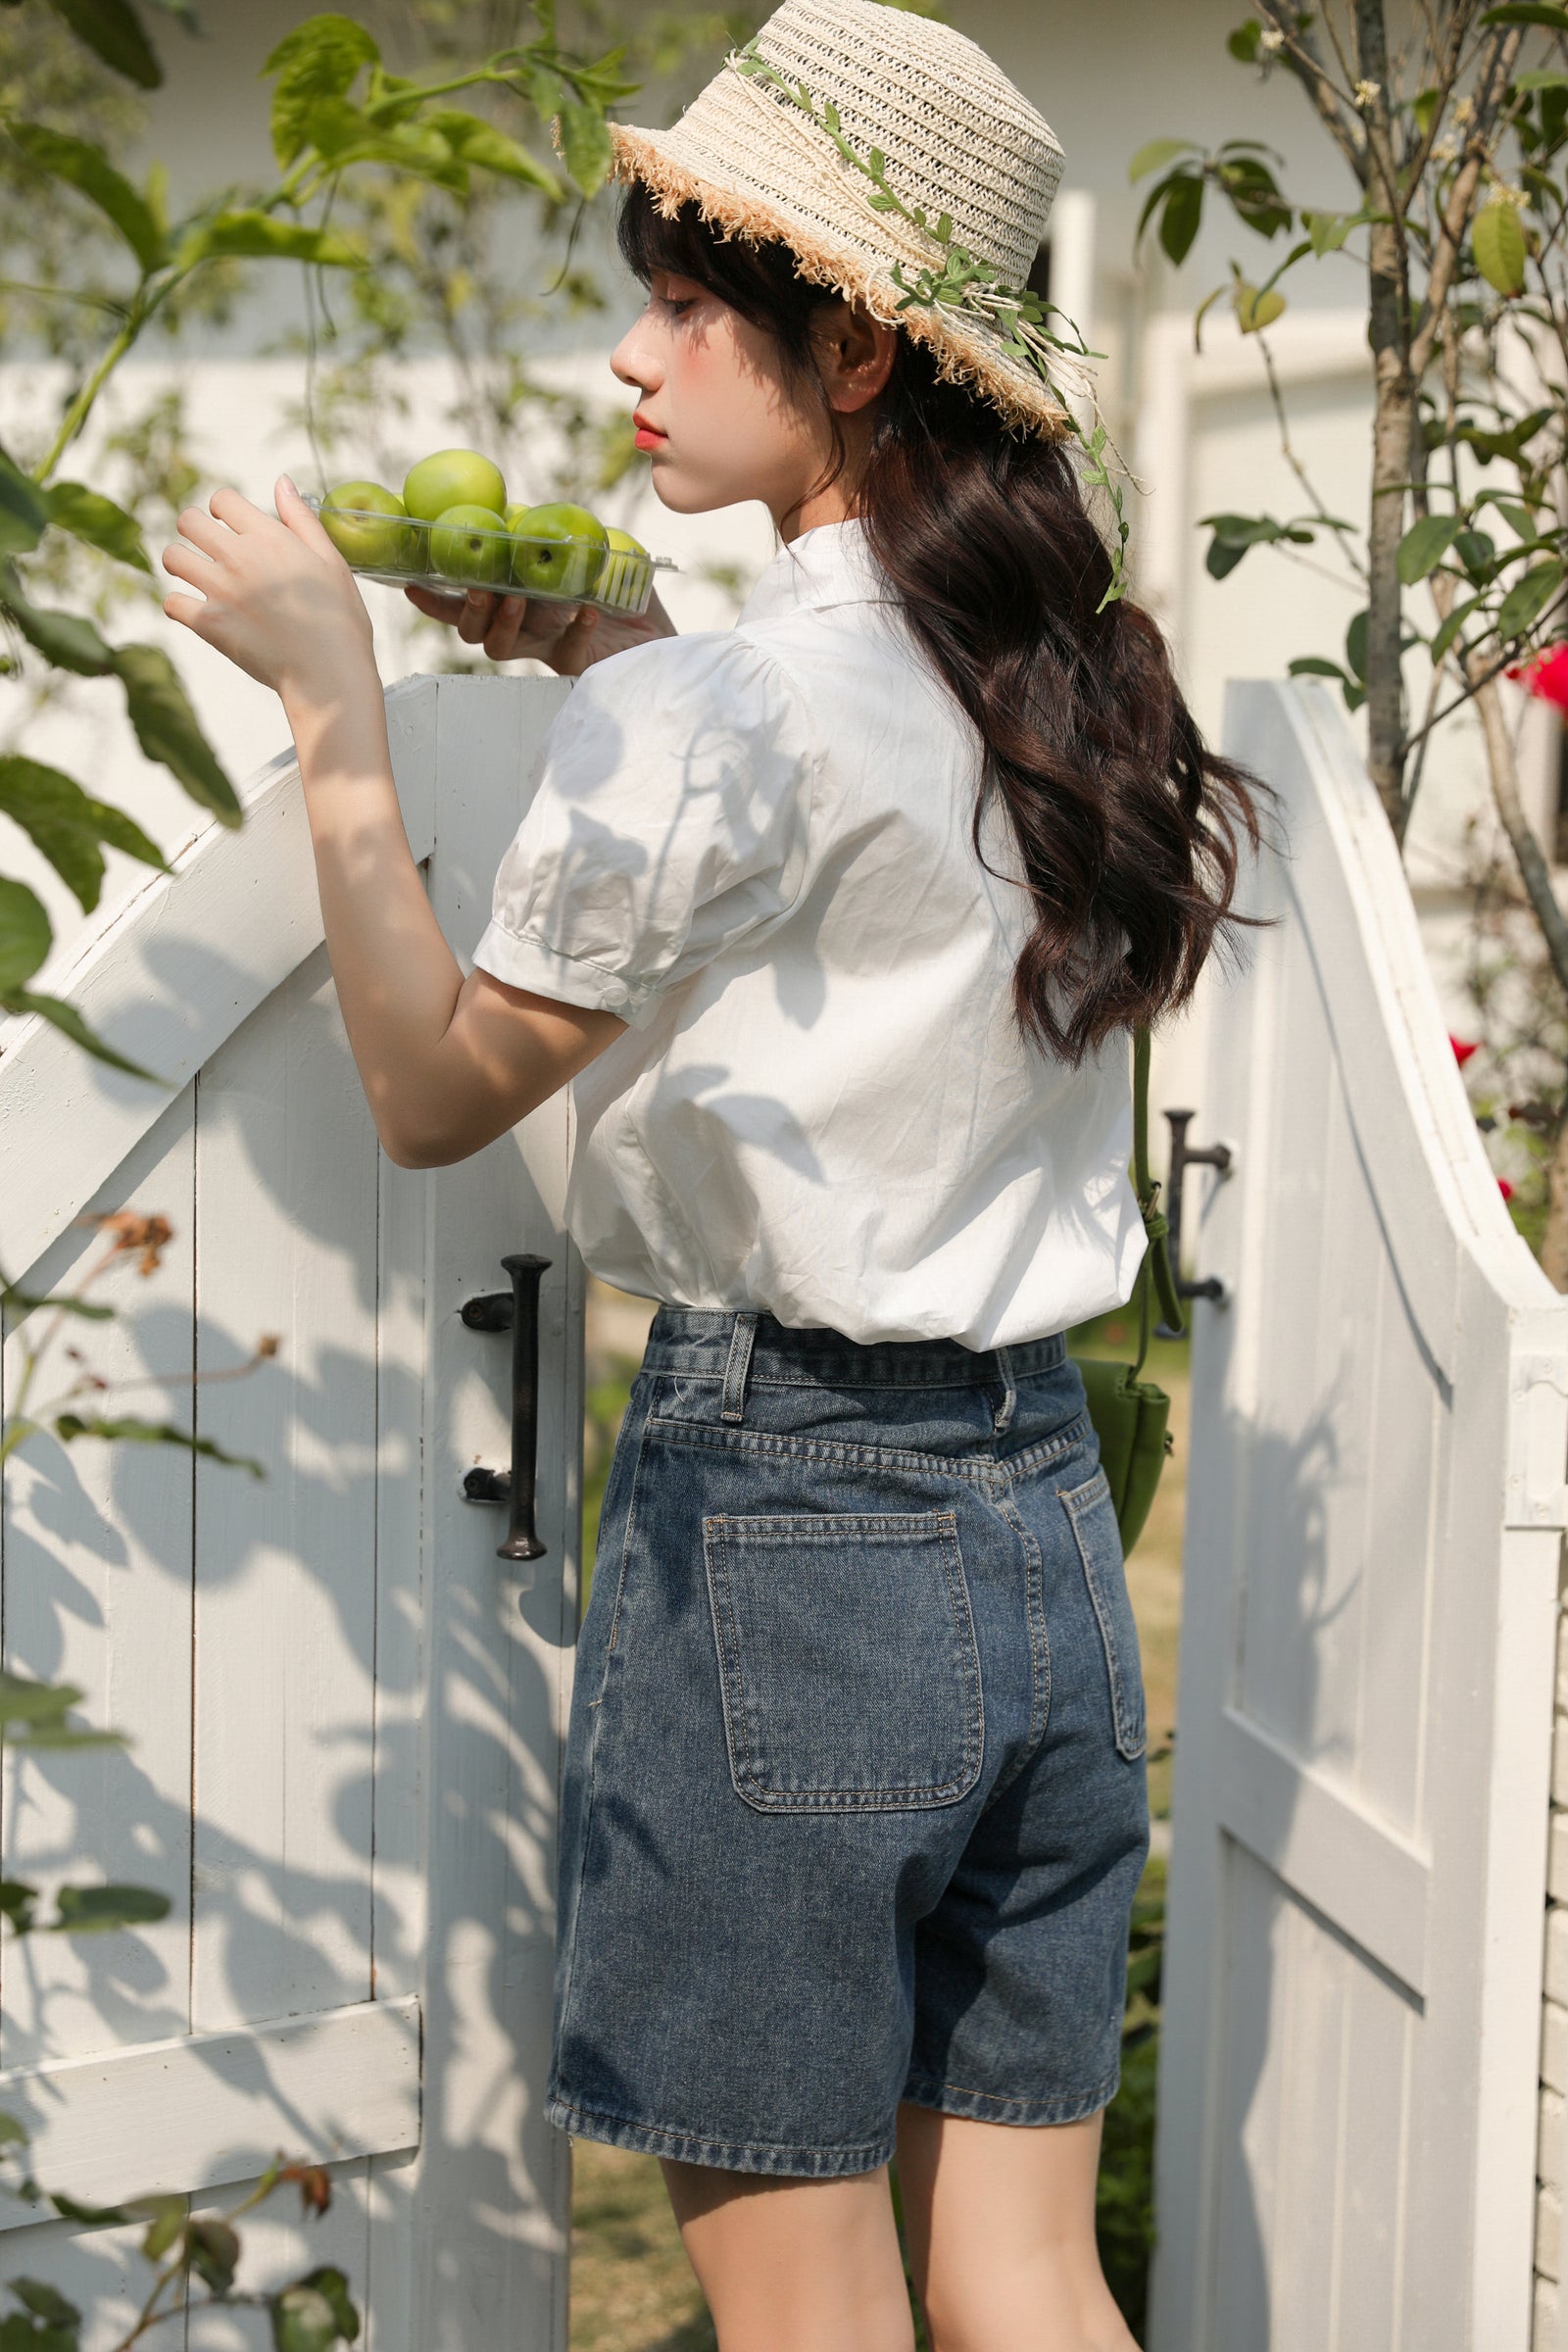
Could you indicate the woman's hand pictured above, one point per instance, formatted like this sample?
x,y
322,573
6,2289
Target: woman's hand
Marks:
x,y
275,595
569,638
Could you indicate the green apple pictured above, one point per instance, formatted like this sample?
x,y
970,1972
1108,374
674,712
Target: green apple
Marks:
x,y
557,550
468,543
369,526
453,477
626,573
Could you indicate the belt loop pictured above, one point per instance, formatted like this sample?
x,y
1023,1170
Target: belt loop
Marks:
x,y
1009,1391
737,1367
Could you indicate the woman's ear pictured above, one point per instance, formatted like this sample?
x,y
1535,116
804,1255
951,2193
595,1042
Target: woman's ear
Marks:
x,y
854,354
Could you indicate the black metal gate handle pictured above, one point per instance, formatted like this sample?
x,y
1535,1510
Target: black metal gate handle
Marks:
x,y
1184,1156
515,1310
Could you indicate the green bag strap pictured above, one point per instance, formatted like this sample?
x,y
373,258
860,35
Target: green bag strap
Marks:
x,y
1156,1272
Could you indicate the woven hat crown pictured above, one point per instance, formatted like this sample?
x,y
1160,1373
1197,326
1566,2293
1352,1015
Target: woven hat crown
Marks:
x,y
777,145
958,136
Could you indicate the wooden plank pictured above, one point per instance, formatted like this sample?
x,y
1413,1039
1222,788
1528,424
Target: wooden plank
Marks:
x,y
493,2178
96,1590
1360,1874
286,1567
175,973
342,2082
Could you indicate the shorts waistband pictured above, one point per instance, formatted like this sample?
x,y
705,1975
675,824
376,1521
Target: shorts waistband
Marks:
x,y
699,1342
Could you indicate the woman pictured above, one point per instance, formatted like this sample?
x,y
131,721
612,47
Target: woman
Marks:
x,y
837,920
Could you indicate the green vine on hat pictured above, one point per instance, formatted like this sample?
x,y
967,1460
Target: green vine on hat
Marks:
x,y
956,281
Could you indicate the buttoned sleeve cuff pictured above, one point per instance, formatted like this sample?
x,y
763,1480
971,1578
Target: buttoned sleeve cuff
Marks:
x,y
523,960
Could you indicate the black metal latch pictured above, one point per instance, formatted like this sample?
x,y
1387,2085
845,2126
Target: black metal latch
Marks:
x,y
1184,1156
515,1310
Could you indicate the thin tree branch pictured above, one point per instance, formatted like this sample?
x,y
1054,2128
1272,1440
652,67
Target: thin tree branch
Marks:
x,y
1299,53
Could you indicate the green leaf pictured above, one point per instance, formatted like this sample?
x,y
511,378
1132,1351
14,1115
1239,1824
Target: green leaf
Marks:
x,y
303,2320
24,1700
24,511
214,2253
26,938
1156,154
1498,238
96,1910
248,236
93,2216
1529,11
128,1429
479,143
1529,597
331,2282
1425,544
1476,550
168,730
342,134
45,2302
87,514
1313,665
1356,646
1256,311
1327,231
69,1022
66,639
1181,218
13,2132
168,2221
111,29
585,146
23,1302
319,58
1542,79
67,826
16,1900
87,169
1244,42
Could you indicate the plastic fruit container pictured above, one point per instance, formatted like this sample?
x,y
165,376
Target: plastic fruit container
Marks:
x,y
488,560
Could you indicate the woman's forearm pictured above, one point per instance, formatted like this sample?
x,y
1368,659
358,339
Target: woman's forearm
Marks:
x,y
398,981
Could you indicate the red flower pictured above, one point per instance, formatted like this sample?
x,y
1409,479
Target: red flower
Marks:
x,y
1544,674
1505,1188
1462,1051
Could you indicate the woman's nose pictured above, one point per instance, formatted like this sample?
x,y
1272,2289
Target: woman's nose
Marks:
x,y
632,362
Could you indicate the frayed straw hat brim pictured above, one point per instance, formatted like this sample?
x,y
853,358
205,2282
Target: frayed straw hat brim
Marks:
x,y
961,356
954,136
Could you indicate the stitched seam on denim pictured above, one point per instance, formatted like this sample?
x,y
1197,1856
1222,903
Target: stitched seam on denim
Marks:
x,y
625,1547
989,1472
1100,2090
1129,1743
715,2140
823,1378
906,1797
1039,1649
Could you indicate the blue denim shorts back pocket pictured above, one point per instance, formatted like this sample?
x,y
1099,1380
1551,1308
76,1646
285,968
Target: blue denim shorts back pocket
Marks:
x,y
848,1661
1091,1516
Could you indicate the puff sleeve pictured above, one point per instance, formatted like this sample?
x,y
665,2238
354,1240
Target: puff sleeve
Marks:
x,y
669,822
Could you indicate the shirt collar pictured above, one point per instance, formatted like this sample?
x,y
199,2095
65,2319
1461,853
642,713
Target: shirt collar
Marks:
x,y
830,564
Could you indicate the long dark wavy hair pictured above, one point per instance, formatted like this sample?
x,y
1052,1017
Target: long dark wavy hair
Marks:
x,y
1130,828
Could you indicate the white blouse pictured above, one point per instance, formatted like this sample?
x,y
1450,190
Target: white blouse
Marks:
x,y
754,846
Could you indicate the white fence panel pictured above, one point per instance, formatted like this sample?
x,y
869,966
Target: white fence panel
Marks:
x,y
346,1713
1346,2142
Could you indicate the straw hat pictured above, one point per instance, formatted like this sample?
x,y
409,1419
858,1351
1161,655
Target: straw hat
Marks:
x,y
903,169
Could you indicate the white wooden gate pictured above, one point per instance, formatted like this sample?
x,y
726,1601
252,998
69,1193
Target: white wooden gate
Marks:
x,y
346,1714
1349,2050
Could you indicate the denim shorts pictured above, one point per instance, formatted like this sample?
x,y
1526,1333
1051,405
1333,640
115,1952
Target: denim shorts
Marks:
x,y
855,1807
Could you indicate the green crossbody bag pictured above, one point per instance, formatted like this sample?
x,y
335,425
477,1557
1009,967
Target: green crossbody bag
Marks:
x,y
1131,1417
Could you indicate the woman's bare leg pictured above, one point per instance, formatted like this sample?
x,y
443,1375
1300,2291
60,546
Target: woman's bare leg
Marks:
x,y
794,2266
1000,2222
